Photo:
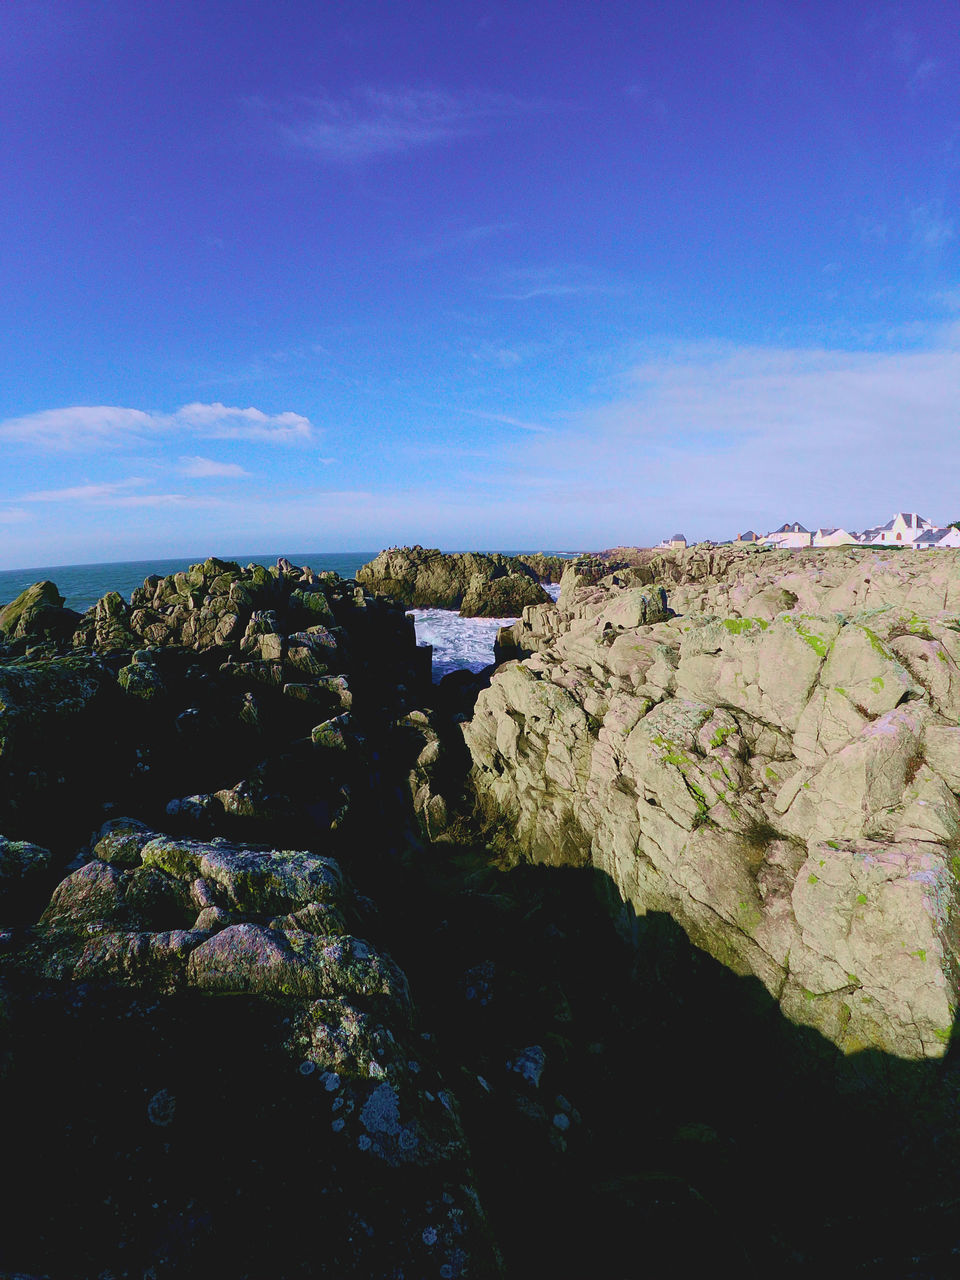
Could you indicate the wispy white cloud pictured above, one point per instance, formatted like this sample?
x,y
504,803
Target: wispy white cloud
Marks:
x,y
873,231
224,422
919,66
643,93
522,284
164,500
376,122
114,494
13,515
197,468
491,353
711,440
82,492
506,420
110,426
949,298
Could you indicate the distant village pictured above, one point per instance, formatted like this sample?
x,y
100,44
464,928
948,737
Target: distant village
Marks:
x,y
905,529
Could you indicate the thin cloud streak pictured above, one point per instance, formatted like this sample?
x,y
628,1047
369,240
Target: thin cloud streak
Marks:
x,y
382,122
931,231
82,492
450,241
197,468
524,284
506,420
111,426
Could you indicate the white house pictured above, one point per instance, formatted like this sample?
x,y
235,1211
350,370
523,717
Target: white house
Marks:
x,y
951,537
789,536
903,530
833,538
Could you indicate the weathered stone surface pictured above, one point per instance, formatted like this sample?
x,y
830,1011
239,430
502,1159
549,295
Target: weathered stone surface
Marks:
x,y
427,578
703,760
502,597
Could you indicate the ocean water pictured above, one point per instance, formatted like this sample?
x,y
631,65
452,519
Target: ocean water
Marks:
x,y
458,643
462,643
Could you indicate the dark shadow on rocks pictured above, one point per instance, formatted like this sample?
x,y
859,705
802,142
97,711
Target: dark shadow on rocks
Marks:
x,y
634,1108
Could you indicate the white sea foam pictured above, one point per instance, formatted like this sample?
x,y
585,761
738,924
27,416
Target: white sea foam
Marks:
x,y
461,643
458,643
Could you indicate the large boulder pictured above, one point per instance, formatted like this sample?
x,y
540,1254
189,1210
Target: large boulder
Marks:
x,y
37,613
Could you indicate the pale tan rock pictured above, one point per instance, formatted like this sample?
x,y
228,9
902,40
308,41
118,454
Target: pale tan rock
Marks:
x,y
934,670
941,745
861,781
864,669
875,920
709,762
827,723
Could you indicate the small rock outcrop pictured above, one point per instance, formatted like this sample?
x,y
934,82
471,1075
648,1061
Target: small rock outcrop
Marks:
x,y
37,614
784,782
476,584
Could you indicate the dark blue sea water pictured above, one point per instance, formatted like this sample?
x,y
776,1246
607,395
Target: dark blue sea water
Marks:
x,y
457,642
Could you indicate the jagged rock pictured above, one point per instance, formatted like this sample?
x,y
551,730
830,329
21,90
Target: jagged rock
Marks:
x,y
547,568
49,745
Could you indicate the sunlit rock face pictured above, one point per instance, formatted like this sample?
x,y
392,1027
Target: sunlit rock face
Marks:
x,y
478,584
777,766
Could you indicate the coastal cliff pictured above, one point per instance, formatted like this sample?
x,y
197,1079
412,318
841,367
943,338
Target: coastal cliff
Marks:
x,y
777,766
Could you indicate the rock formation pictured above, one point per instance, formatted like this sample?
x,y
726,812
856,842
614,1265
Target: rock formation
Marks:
x,y
239,679
478,585
37,613
777,767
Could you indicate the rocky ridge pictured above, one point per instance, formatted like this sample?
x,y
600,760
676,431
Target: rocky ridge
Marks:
x,y
777,766
255,683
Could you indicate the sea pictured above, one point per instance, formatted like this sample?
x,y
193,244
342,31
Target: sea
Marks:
x,y
458,643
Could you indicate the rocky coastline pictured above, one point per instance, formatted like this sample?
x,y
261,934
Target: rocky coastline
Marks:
x,y
311,967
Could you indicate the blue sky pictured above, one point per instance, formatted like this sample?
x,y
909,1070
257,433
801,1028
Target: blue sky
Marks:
x,y
340,275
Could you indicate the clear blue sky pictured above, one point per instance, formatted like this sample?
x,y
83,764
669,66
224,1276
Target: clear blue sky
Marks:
x,y
294,273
